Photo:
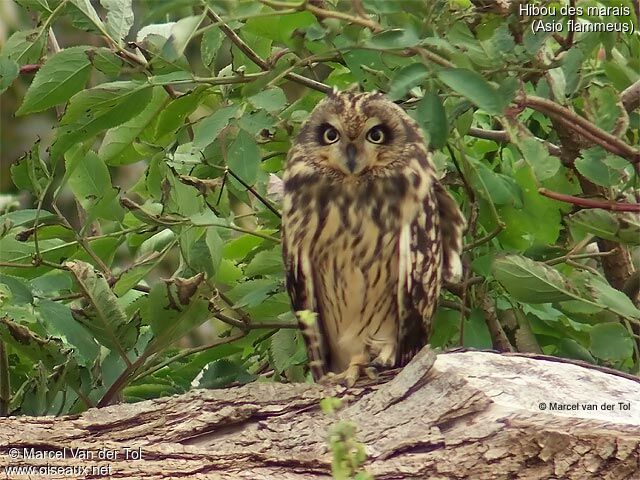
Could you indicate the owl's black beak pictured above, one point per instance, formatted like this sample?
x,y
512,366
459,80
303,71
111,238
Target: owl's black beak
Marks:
x,y
351,157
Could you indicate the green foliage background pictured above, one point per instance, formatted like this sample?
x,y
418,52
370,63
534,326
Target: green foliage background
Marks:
x,y
139,245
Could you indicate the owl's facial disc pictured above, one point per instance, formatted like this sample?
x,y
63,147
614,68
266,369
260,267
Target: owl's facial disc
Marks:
x,y
353,150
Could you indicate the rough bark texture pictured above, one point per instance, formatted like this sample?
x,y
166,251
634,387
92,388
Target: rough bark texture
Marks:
x,y
469,415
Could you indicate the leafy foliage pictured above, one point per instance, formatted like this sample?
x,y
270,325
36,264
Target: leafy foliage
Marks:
x,y
144,258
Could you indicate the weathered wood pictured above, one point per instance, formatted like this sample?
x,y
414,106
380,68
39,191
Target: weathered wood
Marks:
x,y
472,415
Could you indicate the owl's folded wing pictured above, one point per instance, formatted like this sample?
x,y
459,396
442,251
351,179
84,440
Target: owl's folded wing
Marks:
x,y
300,287
429,250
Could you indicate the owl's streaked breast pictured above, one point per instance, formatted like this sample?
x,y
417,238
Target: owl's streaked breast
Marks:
x,y
349,236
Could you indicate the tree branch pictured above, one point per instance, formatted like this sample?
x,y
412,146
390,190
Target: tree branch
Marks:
x,y
502,136
255,58
591,203
630,96
580,125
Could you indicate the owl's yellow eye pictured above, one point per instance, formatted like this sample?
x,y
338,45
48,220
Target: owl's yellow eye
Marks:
x,y
330,135
377,135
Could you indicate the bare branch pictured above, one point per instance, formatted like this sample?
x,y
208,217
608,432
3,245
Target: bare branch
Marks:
x,y
580,125
255,58
630,96
591,203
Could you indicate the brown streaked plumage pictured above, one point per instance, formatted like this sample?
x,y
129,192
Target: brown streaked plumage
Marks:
x,y
368,233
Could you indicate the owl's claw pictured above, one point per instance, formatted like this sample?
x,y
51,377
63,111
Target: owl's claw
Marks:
x,y
347,378
350,376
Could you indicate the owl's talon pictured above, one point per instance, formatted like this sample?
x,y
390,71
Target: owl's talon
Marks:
x,y
348,378
371,372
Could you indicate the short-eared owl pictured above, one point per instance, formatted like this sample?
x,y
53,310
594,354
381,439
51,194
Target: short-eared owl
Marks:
x,y
368,233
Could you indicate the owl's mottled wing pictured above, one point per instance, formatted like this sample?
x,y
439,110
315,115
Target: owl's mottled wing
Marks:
x,y
300,285
431,248
452,225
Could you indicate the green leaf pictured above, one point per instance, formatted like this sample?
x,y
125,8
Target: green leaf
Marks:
x,y
498,188
119,18
61,76
284,345
279,27
432,118
91,111
606,111
618,227
105,61
181,34
266,262
215,246
537,156
271,100
50,352
591,164
207,130
252,292
106,321
395,38
569,348
117,147
90,12
601,293
19,291
255,122
222,373
14,251
210,45
534,282
239,248
531,282
9,71
133,275
572,67
27,217
173,115
406,78
170,321
60,323
473,86
30,172
446,328
476,334
87,9
25,46
611,342
90,182
536,221
38,5
244,158
196,253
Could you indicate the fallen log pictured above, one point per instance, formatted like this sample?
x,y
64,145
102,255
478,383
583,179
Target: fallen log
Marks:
x,y
466,415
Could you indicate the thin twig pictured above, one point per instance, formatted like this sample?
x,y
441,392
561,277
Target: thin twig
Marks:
x,y
487,238
255,58
190,351
375,27
591,203
580,256
502,136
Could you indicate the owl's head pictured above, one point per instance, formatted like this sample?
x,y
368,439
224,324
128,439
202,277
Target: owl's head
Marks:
x,y
354,134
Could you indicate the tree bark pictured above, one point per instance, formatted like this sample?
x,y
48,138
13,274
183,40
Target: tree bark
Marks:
x,y
460,415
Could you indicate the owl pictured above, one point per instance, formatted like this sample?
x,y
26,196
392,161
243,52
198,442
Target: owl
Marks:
x,y
368,235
